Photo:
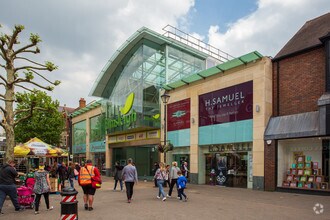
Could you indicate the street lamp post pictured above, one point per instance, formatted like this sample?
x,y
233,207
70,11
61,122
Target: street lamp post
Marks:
x,y
165,97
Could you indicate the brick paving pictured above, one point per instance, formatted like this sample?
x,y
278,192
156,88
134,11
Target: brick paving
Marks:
x,y
205,202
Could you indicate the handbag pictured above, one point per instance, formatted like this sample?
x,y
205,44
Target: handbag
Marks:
x,y
96,181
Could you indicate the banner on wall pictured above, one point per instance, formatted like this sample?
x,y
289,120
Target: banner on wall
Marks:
x,y
178,115
230,104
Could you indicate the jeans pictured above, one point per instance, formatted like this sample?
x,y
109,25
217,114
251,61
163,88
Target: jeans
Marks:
x,y
71,182
160,187
129,189
120,183
11,191
37,201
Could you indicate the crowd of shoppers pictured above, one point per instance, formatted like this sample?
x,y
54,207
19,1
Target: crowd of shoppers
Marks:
x,y
163,175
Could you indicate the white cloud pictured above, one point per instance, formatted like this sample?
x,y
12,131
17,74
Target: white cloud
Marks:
x,y
81,35
268,28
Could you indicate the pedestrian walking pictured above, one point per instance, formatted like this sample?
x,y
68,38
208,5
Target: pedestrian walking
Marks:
x,y
8,174
117,176
173,177
130,176
41,187
184,169
156,167
62,175
182,183
85,181
167,176
71,174
160,177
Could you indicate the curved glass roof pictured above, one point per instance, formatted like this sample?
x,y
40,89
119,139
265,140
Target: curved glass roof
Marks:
x,y
151,57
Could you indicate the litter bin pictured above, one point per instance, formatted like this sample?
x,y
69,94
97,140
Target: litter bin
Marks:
x,y
69,204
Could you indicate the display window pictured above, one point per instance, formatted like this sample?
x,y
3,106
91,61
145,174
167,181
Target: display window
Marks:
x,y
227,169
303,164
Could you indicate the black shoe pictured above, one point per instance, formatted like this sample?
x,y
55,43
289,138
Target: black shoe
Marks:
x,y
19,209
1,212
90,208
86,207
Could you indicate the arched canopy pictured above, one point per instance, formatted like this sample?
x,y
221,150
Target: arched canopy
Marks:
x,y
163,60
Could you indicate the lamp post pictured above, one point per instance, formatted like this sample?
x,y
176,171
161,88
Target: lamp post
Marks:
x,y
165,97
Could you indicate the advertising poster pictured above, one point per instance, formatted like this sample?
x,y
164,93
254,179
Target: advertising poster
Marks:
x,y
230,104
178,115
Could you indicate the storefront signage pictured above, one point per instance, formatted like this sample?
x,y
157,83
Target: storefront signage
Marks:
x,y
178,115
153,134
124,118
141,136
231,104
231,147
130,137
98,146
112,139
79,149
121,138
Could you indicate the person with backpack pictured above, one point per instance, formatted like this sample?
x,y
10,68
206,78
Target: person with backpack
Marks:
x,y
182,183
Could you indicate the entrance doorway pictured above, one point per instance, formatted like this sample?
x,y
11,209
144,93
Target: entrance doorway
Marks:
x,y
144,158
227,169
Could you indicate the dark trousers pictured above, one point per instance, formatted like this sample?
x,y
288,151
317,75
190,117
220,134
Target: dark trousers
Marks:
x,y
155,182
181,193
37,201
173,182
129,189
121,184
11,191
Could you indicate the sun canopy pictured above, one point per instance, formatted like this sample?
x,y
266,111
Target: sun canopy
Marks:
x,y
36,147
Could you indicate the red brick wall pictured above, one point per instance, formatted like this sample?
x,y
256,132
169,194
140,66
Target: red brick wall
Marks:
x,y
270,166
302,82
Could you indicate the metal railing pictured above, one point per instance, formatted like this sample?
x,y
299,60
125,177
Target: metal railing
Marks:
x,y
178,35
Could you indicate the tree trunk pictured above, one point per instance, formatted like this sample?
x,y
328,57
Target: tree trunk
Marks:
x,y
9,114
10,142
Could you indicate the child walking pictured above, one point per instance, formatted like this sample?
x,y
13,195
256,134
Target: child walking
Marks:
x,y
182,182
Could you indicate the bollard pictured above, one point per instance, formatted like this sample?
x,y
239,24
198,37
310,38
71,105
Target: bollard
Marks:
x,y
69,204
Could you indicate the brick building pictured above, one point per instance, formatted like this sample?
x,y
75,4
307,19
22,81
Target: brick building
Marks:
x,y
297,135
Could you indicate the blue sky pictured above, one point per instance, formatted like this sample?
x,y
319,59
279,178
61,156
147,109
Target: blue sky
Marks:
x,y
80,36
221,12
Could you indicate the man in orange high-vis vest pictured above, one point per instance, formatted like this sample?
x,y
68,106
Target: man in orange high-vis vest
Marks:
x,y
85,181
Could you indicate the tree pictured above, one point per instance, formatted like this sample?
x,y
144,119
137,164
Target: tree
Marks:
x,y
45,125
18,70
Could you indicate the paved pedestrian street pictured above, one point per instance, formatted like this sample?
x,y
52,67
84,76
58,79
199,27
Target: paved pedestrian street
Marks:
x,y
204,202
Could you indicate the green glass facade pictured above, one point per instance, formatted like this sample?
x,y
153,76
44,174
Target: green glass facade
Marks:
x,y
79,138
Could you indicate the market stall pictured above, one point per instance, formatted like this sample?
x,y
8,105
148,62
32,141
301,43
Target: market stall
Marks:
x,y
34,153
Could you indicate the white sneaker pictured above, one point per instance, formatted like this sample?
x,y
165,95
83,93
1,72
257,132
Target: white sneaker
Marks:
x,y
158,197
50,208
164,199
178,197
168,196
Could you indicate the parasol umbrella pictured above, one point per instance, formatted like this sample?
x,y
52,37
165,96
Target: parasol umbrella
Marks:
x,y
21,150
34,147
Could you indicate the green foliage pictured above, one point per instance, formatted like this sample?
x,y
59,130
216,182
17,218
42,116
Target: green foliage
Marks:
x,y
34,38
47,124
50,66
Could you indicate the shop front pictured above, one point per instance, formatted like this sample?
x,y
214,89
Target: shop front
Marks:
x,y
229,165
303,164
140,146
